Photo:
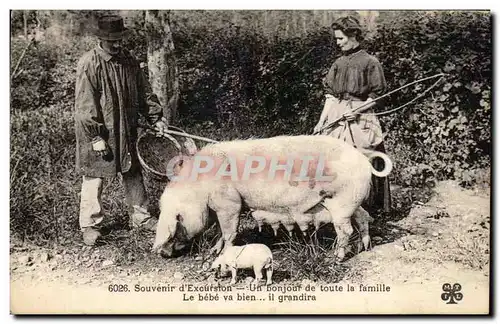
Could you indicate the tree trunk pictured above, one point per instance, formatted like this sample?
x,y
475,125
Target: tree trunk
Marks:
x,y
163,71
25,20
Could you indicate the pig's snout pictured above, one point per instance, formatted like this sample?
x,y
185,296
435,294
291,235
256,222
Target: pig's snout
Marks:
x,y
165,250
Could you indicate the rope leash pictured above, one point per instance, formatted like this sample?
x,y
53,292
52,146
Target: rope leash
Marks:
x,y
201,138
179,133
382,113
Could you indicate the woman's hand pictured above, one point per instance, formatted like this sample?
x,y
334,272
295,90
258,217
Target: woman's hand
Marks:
x,y
318,127
349,116
369,103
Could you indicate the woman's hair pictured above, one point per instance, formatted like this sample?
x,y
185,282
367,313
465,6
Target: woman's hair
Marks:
x,y
349,26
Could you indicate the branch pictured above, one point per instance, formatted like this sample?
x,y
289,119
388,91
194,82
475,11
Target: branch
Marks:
x,y
20,59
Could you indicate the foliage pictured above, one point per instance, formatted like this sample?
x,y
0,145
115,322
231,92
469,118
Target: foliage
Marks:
x,y
234,78
448,132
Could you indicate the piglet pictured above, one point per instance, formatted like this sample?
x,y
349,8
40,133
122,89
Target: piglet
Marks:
x,y
256,256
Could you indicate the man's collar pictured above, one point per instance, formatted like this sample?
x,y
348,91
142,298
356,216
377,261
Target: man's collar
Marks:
x,y
106,56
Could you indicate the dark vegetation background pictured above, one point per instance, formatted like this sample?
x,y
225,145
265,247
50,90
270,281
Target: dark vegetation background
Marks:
x,y
250,74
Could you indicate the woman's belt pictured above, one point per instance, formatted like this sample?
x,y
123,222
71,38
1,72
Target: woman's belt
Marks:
x,y
348,96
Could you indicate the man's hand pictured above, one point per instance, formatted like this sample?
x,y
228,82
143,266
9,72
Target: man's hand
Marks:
x,y
100,147
161,126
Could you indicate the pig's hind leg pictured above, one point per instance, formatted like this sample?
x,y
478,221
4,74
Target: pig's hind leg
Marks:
x,y
362,219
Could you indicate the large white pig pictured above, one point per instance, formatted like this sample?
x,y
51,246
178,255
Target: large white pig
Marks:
x,y
333,166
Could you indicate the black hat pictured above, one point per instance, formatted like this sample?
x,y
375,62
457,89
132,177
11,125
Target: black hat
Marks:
x,y
110,28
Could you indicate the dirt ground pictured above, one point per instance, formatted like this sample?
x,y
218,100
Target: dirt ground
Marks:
x,y
445,239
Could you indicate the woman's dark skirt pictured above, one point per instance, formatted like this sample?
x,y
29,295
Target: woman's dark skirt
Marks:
x,y
380,194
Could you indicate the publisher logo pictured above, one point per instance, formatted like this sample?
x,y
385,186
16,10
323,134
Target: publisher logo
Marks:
x,y
452,294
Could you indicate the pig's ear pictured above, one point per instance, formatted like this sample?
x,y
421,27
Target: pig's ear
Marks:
x,y
178,166
181,162
180,230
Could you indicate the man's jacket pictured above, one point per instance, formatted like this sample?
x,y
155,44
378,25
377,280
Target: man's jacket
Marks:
x,y
110,93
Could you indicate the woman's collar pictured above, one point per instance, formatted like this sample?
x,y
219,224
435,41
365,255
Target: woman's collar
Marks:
x,y
352,51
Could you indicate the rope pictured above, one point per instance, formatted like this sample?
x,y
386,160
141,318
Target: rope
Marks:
x,y
409,102
179,133
201,138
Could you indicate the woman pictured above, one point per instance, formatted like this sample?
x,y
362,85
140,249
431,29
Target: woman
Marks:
x,y
353,81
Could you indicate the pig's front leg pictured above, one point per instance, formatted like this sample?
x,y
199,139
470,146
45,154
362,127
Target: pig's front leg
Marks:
x,y
229,227
226,202
218,246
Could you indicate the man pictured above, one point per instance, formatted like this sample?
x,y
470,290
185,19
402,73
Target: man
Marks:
x,y
111,91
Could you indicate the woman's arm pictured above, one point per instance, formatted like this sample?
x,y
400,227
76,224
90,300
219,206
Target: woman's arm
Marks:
x,y
377,85
376,79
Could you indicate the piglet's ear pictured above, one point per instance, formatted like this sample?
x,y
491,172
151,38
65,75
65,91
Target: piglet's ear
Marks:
x,y
179,218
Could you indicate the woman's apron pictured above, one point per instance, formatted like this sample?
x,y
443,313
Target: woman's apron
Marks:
x,y
364,133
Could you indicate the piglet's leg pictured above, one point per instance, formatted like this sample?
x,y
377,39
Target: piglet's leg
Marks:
x,y
269,275
258,274
233,275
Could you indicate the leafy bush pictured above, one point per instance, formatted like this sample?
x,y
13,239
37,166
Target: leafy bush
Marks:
x,y
29,84
448,132
240,80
